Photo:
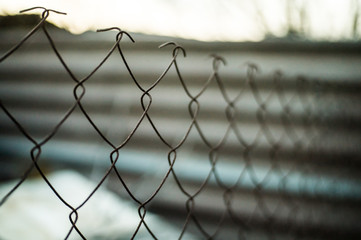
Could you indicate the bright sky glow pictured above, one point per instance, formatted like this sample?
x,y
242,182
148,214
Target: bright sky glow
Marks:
x,y
207,20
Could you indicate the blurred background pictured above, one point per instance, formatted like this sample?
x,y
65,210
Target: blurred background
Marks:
x,y
232,20
288,168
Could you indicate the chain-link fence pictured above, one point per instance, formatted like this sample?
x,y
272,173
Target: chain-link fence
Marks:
x,y
267,157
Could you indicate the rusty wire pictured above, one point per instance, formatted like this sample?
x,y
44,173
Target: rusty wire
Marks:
x,y
300,142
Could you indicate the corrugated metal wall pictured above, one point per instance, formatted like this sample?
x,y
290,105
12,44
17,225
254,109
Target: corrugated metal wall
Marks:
x,y
305,186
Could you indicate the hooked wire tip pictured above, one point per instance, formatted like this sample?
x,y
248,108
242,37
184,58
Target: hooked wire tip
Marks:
x,y
116,28
177,46
44,9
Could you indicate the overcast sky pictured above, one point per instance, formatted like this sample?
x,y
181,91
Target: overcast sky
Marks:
x,y
208,20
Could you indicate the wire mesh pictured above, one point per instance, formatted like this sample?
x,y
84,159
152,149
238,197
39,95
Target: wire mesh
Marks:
x,y
280,199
